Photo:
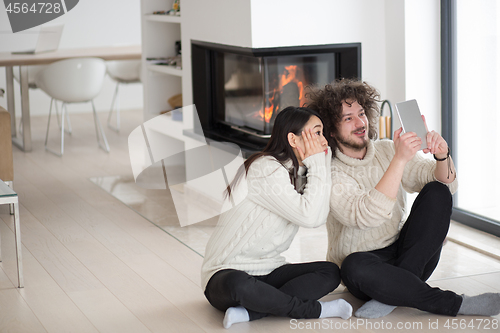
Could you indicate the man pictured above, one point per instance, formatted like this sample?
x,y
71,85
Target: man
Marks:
x,y
384,259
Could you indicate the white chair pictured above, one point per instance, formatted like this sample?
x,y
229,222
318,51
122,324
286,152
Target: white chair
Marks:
x,y
123,72
32,72
75,80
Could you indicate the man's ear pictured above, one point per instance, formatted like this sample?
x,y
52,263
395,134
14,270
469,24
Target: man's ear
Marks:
x,y
292,140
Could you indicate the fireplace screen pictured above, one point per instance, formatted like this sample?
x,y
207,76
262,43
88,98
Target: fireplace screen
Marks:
x,y
238,92
257,89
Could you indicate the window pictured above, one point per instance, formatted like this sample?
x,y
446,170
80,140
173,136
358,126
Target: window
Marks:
x,y
471,107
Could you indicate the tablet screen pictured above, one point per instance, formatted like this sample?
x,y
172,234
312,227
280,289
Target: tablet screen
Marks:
x,y
411,120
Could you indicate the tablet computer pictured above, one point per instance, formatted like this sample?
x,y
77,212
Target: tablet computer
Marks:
x,y
411,120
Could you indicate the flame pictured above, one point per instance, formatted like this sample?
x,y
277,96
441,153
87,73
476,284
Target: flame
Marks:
x,y
267,114
290,74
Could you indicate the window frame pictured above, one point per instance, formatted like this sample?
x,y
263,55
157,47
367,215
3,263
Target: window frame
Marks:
x,y
449,108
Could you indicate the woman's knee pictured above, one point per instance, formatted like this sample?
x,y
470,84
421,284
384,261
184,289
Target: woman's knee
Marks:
x,y
329,270
223,288
229,282
331,274
237,282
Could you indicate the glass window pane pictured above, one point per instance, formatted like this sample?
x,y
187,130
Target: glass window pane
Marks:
x,y
478,107
243,90
257,89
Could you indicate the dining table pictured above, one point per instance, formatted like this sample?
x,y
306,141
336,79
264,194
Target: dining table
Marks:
x,y
22,139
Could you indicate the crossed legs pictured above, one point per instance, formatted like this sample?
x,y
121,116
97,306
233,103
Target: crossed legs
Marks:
x,y
396,275
290,291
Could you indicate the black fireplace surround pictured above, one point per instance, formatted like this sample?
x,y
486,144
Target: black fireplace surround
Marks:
x,y
239,91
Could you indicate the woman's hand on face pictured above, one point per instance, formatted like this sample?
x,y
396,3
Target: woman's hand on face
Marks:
x,y
312,145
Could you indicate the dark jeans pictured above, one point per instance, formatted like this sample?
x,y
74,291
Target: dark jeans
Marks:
x,y
396,275
291,290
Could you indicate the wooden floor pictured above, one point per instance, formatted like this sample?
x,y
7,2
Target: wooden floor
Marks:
x,y
92,264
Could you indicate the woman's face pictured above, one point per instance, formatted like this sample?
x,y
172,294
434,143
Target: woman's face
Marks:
x,y
316,125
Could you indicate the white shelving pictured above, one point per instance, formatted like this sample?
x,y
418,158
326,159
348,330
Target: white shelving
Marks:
x,y
159,36
164,69
162,18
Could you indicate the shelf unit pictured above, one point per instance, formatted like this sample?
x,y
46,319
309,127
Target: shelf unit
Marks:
x,y
169,70
159,34
162,18
161,82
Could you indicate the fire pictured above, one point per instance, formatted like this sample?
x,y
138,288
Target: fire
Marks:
x,y
291,74
267,114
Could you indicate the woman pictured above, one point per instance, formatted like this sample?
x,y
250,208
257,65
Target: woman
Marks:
x,y
288,186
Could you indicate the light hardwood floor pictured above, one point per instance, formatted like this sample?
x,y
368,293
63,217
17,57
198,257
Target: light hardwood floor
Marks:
x,y
92,264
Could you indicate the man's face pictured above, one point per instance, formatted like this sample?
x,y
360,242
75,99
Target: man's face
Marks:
x,y
353,128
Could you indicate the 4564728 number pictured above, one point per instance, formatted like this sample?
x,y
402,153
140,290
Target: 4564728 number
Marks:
x,y
484,324
37,7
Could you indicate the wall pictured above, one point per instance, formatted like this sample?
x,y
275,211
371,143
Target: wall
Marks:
x,y
422,67
92,23
295,22
218,21
423,63
395,51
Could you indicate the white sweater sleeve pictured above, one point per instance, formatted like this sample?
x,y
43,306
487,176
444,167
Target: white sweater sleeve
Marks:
x,y
420,171
269,186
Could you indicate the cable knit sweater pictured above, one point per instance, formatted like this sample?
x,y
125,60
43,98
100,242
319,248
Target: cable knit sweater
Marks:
x,y
251,236
362,218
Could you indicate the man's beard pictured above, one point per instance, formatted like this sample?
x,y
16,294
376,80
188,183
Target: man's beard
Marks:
x,y
350,143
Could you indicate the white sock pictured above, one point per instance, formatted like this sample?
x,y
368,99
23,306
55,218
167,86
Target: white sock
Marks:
x,y
235,315
374,309
336,308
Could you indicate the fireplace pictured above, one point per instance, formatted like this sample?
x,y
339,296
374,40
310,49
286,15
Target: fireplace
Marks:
x,y
239,91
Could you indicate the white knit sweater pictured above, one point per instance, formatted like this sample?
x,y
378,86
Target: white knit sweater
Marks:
x,y
251,236
362,218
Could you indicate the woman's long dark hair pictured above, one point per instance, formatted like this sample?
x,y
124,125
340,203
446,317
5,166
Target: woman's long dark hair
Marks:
x,y
291,119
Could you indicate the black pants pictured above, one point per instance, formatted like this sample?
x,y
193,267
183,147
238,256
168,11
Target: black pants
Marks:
x,y
396,275
291,290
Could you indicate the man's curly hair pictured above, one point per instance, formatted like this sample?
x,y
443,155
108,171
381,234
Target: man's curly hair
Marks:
x,y
327,102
